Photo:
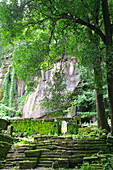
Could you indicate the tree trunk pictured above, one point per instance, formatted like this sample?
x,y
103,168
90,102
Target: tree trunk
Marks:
x,y
101,115
110,84
109,57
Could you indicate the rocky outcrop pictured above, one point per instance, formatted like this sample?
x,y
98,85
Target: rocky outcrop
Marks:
x,y
32,106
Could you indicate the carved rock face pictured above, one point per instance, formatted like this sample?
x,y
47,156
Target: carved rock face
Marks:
x,y
32,106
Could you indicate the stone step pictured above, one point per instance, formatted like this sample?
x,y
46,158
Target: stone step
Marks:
x,y
53,156
84,152
17,151
55,153
31,158
52,159
27,164
79,155
74,162
96,166
76,147
102,141
11,164
45,162
17,155
1,166
44,165
14,159
8,166
47,147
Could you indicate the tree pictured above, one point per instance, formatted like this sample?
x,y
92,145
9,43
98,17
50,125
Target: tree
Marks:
x,y
60,19
109,54
55,98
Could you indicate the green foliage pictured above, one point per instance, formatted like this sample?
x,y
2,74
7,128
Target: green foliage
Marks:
x,y
42,126
11,103
86,98
55,97
103,162
86,91
87,114
44,31
35,126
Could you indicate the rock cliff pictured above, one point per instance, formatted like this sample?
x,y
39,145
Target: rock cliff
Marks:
x,y
32,105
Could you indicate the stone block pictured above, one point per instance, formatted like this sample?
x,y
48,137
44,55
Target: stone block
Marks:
x,y
110,139
32,153
3,124
4,148
90,159
6,138
27,164
55,165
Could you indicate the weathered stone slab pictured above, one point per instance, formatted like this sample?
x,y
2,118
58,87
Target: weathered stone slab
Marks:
x,y
6,138
110,139
3,124
32,153
27,164
4,148
90,159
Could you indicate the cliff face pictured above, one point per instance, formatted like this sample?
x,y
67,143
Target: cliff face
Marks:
x,y
19,84
32,105
3,71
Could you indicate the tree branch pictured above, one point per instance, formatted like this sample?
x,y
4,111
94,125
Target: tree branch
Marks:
x,y
52,31
85,23
38,22
76,19
23,5
53,6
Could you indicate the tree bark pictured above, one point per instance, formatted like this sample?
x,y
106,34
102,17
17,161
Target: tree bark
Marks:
x,y
109,57
100,107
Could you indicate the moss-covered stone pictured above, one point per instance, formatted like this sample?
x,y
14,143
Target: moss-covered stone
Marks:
x,y
32,153
51,147
90,159
27,164
4,148
55,164
95,167
110,139
5,137
43,126
3,124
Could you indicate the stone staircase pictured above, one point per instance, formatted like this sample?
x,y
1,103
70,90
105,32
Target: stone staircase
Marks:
x,y
16,154
68,152
51,151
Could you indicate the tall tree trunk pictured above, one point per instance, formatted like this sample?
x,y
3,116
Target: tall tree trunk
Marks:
x,y
100,107
109,57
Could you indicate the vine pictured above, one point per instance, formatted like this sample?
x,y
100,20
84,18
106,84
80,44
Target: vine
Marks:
x,y
11,103
55,95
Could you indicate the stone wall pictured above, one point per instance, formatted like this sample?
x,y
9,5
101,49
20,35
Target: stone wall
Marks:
x,y
44,126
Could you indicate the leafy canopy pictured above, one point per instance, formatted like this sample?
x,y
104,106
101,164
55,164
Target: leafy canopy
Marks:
x,y
43,31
